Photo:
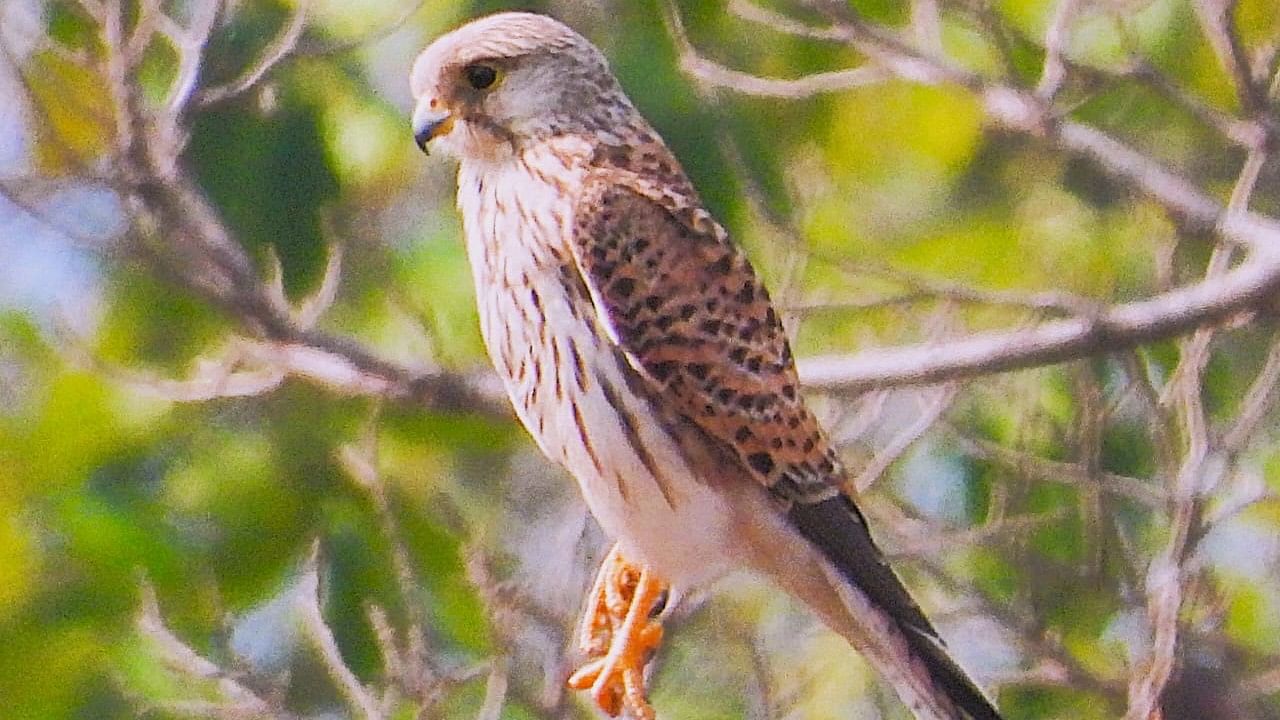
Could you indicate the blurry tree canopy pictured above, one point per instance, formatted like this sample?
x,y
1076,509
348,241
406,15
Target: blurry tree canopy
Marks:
x,y
253,462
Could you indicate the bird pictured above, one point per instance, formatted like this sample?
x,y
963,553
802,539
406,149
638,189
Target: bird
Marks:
x,y
642,352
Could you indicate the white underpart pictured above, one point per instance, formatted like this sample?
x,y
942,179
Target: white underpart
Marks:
x,y
513,217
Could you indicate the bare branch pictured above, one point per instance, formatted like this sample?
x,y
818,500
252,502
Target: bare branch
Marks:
x,y
718,75
777,22
275,52
10,194
418,674
1025,113
1115,328
95,9
189,43
1045,470
495,690
1248,179
241,701
1261,685
315,305
313,49
926,21
1055,44
1164,582
219,375
1058,664
1215,19
317,631
712,73
393,664
916,539
931,409
191,242
1003,38
1243,132
1258,399
1058,302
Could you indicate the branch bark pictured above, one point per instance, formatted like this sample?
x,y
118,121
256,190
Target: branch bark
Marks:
x,y
1116,328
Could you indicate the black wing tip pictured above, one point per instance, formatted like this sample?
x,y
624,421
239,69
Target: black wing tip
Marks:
x,y
838,529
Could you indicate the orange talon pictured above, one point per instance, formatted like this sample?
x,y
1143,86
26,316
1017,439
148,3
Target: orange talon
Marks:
x,y
619,636
599,618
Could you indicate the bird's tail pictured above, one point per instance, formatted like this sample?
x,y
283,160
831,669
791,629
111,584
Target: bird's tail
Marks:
x,y
877,602
863,599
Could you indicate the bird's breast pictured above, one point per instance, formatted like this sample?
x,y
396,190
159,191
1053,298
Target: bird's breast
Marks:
x,y
575,393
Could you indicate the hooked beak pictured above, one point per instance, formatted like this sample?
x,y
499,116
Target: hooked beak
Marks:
x,y
429,123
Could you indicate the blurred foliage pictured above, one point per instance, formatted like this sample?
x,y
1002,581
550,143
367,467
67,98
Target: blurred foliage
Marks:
x,y
106,484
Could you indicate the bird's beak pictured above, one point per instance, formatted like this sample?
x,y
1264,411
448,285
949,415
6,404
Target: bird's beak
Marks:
x,y
429,123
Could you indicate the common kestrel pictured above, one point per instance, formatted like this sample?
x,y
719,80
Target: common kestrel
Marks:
x,y
642,353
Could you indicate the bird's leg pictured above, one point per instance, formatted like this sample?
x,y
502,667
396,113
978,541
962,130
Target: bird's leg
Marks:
x,y
619,633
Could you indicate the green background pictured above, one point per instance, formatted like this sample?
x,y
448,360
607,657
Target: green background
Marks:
x,y
107,485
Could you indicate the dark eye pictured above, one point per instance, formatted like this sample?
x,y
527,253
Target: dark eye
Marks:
x,y
480,76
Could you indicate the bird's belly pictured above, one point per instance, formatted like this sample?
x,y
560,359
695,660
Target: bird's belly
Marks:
x,y
570,390
665,517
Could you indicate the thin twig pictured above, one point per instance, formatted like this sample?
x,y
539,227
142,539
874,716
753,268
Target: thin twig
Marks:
x,y
179,656
815,84
1114,328
361,465
1215,19
931,409
1055,45
926,22
219,375
1258,399
1243,132
1066,473
1058,302
353,692
190,43
1262,685
495,690
713,73
917,539
1022,111
316,49
1165,591
781,23
273,54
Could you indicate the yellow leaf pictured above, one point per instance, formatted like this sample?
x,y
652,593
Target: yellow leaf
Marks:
x,y
73,112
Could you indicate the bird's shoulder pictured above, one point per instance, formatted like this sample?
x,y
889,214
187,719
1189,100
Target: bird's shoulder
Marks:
x,y
696,324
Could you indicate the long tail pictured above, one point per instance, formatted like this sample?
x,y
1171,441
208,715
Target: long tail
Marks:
x,y
880,617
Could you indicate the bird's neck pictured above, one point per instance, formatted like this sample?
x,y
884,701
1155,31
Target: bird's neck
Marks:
x,y
516,211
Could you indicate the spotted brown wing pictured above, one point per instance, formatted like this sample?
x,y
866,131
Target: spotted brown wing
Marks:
x,y
690,315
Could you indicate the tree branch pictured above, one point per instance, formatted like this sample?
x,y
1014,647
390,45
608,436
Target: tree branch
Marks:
x,y
1115,328
353,692
273,54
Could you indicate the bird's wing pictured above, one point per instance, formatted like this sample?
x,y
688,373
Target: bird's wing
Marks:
x,y
688,313
692,319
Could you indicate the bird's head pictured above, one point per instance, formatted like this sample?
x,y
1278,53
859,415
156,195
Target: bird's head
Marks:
x,y
509,78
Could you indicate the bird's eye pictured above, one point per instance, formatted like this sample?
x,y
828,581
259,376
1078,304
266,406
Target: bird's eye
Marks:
x,y
480,77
